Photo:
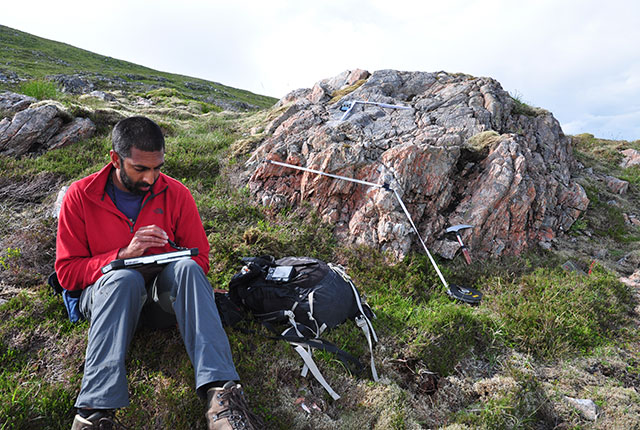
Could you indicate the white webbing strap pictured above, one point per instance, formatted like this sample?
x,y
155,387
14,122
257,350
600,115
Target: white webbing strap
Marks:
x,y
364,323
292,321
310,313
311,365
305,368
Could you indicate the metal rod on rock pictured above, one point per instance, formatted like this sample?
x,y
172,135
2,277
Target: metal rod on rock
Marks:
x,y
320,172
348,106
371,184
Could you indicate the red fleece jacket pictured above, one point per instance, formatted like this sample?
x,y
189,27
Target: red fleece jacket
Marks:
x,y
91,230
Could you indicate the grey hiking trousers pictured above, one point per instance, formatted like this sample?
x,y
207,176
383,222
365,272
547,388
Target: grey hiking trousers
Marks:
x,y
113,305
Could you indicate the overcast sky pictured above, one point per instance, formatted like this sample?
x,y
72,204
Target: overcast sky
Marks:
x,y
579,59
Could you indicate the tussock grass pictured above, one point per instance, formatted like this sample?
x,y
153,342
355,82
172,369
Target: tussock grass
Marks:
x,y
40,89
339,94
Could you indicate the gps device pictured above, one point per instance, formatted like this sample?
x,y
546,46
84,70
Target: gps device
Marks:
x,y
281,274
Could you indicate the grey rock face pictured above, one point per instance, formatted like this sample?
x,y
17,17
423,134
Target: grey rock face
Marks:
x,y
10,103
74,84
464,153
42,126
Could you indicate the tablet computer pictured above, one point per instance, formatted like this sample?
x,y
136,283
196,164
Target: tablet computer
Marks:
x,y
157,259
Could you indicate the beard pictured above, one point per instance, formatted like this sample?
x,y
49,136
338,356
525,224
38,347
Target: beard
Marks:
x,y
133,187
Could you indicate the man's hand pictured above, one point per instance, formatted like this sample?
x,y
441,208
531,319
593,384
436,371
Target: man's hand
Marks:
x,y
149,236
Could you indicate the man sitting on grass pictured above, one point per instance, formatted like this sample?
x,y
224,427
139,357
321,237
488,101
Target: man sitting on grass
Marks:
x,y
130,209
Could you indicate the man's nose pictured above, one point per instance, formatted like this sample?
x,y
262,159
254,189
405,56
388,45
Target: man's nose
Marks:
x,y
149,177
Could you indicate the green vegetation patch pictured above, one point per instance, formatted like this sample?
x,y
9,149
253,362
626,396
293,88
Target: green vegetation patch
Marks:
x,y
40,89
632,175
69,162
522,108
606,151
39,358
551,313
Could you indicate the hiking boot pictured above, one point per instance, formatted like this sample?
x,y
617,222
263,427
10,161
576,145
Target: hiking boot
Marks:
x,y
99,420
228,409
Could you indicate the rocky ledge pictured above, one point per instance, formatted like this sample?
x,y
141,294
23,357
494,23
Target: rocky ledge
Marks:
x,y
27,126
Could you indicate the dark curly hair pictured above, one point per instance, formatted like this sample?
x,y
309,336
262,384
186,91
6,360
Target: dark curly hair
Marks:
x,y
136,132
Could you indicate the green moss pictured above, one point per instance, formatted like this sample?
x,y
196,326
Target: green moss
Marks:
x,y
339,94
482,140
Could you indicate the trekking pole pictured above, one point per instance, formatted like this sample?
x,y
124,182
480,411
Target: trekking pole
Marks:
x,y
464,294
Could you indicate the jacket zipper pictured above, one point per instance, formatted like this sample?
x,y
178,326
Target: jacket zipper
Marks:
x,y
144,203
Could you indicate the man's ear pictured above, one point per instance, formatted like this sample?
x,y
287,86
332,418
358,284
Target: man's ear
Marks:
x,y
115,159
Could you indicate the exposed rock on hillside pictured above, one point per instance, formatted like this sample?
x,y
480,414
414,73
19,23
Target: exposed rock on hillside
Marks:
x,y
10,103
41,126
465,152
86,83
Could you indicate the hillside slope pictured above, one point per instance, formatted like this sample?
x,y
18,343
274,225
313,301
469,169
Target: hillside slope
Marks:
x,y
24,56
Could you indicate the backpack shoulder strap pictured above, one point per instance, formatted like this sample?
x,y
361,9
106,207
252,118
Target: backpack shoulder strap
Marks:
x,y
362,320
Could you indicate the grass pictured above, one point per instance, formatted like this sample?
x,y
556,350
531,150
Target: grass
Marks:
x,y
606,216
543,311
40,89
522,108
554,313
521,404
632,175
603,150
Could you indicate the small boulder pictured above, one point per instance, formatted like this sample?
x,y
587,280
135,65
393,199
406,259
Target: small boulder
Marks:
x,y
615,185
631,158
587,408
78,129
29,127
74,84
103,96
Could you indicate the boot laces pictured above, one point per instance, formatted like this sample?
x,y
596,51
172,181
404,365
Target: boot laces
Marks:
x,y
237,412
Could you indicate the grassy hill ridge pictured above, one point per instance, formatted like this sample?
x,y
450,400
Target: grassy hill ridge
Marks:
x,y
33,57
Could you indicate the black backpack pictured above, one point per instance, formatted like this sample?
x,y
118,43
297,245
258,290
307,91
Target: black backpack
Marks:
x,y
309,296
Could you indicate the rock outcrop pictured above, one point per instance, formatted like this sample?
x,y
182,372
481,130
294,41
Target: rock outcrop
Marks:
x,y
465,152
39,127
631,158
